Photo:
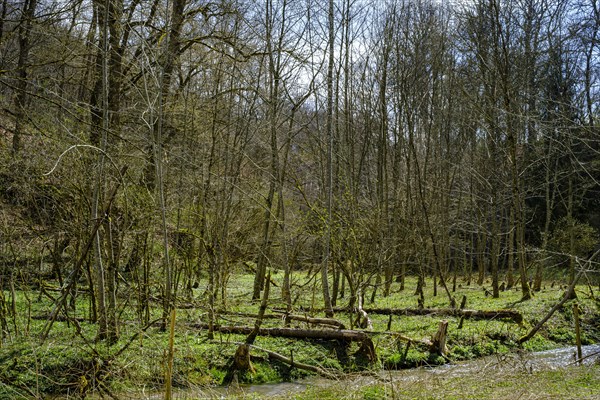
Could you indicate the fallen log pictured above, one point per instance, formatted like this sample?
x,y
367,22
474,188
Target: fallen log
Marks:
x,y
59,289
513,315
220,313
349,335
313,320
568,295
59,318
326,334
366,350
291,317
295,364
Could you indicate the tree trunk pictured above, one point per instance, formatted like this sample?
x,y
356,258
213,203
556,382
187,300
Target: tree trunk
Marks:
x,y
329,128
510,279
20,99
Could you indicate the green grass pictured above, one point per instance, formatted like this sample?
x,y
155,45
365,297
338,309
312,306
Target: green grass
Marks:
x,y
71,362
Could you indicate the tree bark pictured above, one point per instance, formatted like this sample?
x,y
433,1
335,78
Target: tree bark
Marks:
x,y
475,314
325,334
20,99
295,364
329,187
438,342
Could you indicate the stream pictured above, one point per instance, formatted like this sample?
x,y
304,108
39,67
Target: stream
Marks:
x,y
518,361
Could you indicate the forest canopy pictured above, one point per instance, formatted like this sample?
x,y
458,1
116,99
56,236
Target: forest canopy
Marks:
x,y
159,143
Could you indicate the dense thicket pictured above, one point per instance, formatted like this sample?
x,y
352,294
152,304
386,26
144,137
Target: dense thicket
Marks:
x,y
151,145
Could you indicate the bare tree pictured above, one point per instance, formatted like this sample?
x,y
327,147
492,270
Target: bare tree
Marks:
x,y
25,26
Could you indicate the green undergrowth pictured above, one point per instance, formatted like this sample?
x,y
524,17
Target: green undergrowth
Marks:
x,y
69,362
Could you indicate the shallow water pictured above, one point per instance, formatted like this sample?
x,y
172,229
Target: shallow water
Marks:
x,y
565,356
519,361
541,360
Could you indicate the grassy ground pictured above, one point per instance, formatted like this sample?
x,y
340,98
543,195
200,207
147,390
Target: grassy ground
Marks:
x,y
70,362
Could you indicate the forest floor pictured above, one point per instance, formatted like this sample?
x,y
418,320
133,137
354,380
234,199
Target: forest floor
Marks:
x,y
70,363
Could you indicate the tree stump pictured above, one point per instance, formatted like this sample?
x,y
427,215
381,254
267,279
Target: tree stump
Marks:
x,y
241,359
366,353
438,342
463,302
